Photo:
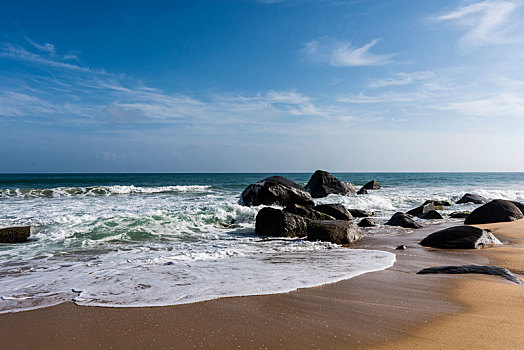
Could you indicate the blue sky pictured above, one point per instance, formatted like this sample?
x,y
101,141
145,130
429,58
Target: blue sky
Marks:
x,y
234,86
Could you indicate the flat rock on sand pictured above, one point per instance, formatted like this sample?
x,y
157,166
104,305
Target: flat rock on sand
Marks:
x,y
460,237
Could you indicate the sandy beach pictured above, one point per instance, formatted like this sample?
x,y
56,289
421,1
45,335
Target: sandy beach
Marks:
x,y
394,308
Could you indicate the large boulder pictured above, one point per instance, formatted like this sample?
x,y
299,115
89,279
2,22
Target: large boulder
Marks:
x,y
323,183
357,213
424,208
15,234
339,231
276,190
431,215
472,198
307,212
278,223
338,211
519,205
438,203
372,185
498,210
403,220
460,237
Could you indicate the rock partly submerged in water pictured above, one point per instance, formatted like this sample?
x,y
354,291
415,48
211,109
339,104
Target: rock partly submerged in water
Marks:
x,y
338,211
366,222
357,213
276,190
362,191
338,231
431,215
372,185
460,237
438,203
424,208
18,234
485,270
498,210
278,223
459,214
472,198
323,183
403,220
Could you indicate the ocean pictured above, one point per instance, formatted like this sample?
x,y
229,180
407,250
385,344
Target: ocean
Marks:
x,y
131,240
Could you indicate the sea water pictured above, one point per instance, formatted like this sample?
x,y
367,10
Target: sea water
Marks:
x,y
129,240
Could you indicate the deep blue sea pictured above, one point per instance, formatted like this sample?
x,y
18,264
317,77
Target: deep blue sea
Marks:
x,y
160,239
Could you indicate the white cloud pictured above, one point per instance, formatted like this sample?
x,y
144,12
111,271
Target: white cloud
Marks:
x,y
402,79
343,54
486,23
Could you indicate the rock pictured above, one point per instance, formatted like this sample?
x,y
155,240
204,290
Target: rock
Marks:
x,y
339,231
307,212
323,183
401,247
351,187
424,208
338,211
431,215
459,214
519,205
438,203
472,198
372,185
362,191
403,220
497,210
460,237
15,234
357,213
366,223
276,190
278,223
485,270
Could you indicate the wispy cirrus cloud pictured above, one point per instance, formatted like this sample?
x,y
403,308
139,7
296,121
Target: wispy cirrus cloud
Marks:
x,y
402,78
343,54
486,23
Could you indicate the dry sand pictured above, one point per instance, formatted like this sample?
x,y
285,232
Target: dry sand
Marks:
x,y
395,308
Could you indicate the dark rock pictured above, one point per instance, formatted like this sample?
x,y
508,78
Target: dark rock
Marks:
x,y
276,190
459,214
424,208
472,198
372,185
307,212
485,270
339,231
460,237
497,210
338,211
15,234
323,183
366,223
278,223
438,203
362,191
357,213
401,247
519,205
403,220
431,215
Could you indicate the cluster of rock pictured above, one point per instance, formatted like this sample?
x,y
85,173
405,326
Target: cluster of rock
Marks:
x,y
300,217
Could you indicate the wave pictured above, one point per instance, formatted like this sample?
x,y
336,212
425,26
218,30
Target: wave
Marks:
x,y
97,191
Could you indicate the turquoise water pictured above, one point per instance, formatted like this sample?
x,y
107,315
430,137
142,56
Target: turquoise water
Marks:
x,y
160,239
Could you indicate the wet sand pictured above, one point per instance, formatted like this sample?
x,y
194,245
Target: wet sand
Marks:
x,y
394,308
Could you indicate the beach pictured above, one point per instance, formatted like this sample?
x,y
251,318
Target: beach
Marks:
x,y
393,308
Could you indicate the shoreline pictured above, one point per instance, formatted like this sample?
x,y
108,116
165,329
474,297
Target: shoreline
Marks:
x,y
384,309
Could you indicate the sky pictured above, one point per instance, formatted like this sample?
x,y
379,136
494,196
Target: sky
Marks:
x,y
261,86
